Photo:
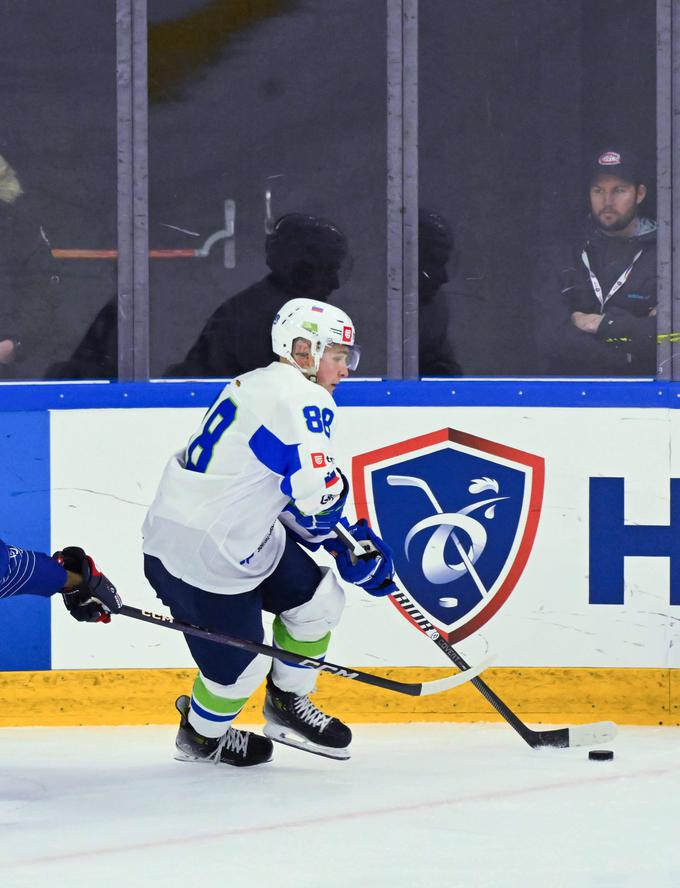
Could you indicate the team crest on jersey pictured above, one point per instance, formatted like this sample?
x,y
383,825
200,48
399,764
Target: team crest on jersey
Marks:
x,y
460,513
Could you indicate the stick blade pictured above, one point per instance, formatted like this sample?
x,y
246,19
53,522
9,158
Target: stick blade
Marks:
x,y
438,685
579,735
592,735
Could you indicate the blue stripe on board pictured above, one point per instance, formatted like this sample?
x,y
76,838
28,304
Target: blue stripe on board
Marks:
x,y
25,642
368,393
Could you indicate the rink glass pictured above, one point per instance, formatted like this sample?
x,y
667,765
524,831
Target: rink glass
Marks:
x,y
512,99
58,112
248,98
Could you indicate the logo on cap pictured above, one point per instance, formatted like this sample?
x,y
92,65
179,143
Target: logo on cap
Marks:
x,y
347,334
609,158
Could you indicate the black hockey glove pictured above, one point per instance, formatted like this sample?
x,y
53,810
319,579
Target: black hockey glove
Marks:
x,y
95,598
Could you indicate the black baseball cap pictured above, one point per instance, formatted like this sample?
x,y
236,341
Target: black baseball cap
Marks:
x,y
615,161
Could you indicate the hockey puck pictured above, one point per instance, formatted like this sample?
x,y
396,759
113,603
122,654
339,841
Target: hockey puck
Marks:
x,y
600,755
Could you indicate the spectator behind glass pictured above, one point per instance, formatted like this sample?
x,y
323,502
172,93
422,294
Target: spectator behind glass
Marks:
x,y
596,297
435,252
10,191
304,254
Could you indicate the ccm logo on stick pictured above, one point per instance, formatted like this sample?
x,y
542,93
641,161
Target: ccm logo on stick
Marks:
x,y
327,667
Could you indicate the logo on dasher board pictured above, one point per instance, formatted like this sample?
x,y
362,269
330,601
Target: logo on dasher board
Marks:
x,y
460,513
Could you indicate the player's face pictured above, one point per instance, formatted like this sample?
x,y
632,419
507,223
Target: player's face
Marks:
x,y
333,367
614,202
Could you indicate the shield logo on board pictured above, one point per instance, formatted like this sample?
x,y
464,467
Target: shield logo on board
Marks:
x,y
460,513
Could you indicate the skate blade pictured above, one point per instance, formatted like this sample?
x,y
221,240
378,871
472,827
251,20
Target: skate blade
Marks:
x,y
180,756
280,735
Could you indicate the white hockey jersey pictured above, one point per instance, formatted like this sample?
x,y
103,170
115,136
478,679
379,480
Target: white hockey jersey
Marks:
x,y
266,440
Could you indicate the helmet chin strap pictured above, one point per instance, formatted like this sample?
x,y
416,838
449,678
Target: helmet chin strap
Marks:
x,y
309,373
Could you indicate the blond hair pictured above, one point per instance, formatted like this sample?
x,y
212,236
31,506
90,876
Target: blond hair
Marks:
x,y
10,187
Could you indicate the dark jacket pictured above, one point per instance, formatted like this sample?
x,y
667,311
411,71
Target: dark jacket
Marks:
x,y
238,336
625,343
96,356
25,274
435,350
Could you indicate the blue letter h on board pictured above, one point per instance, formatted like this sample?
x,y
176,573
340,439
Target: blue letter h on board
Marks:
x,y
611,540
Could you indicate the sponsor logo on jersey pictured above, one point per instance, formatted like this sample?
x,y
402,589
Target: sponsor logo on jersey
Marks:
x,y
460,514
609,158
347,334
318,460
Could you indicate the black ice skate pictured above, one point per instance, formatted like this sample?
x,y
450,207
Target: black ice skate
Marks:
x,y
297,722
239,748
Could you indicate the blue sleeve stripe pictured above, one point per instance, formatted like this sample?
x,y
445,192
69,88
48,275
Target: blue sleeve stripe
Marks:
x,y
282,459
21,569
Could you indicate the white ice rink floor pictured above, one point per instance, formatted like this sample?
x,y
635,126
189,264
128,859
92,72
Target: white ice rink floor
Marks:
x,y
418,805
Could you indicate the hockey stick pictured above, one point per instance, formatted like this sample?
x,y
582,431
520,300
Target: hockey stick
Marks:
x,y
578,735
414,690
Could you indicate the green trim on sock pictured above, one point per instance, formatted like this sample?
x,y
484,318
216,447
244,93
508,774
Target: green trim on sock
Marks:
x,y
285,640
213,703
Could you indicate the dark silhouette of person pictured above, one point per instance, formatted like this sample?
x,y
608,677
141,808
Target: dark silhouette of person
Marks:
x,y
96,355
24,270
437,257
304,254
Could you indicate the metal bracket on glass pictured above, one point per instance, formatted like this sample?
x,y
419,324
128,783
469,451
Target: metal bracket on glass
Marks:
x,y
269,219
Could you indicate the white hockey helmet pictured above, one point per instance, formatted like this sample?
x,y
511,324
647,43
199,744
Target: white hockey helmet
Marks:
x,y
317,322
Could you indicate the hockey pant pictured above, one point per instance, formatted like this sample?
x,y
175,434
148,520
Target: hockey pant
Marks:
x,y
307,602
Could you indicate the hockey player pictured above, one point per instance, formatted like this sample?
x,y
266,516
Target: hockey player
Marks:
x,y
88,595
221,542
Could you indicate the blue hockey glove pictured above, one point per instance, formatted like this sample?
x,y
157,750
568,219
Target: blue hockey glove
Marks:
x,y
374,573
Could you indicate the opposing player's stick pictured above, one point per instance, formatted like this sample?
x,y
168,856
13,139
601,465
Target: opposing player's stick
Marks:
x,y
399,687
578,735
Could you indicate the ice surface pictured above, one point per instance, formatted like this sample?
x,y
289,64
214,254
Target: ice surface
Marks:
x,y
418,805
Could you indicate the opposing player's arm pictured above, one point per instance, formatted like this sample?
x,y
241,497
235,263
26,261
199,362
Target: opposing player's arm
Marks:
x,y
25,572
87,593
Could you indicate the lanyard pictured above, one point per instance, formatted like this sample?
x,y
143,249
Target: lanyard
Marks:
x,y
618,283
